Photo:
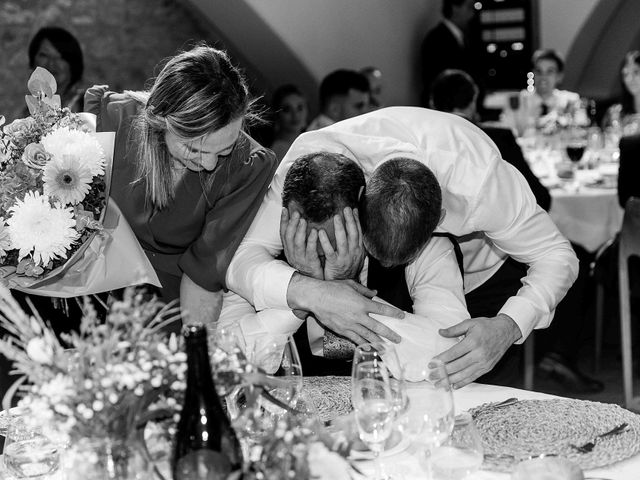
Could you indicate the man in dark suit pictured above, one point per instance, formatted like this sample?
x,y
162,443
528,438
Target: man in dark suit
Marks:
x,y
448,45
455,92
629,173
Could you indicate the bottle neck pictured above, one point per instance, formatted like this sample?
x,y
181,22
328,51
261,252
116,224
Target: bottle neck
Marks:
x,y
199,376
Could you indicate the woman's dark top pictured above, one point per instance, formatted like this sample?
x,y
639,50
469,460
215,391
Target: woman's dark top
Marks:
x,y
199,232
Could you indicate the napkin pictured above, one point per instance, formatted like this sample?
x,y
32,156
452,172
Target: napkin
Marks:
x,y
420,342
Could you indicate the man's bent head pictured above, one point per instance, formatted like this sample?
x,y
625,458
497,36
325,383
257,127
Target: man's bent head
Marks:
x,y
400,210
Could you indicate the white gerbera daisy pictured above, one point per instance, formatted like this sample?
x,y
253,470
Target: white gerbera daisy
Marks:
x,y
37,228
83,145
66,179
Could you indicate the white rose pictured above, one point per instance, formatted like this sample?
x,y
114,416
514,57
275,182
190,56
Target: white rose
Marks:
x,y
39,350
325,464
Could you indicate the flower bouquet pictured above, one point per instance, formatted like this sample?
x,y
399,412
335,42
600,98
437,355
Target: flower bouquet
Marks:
x,y
54,186
105,382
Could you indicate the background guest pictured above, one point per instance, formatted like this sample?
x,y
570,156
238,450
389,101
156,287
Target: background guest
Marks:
x,y
58,51
624,117
454,91
448,44
545,100
186,177
343,94
289,107
374,75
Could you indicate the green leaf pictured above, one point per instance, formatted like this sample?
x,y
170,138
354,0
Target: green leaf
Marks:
x,y
41,81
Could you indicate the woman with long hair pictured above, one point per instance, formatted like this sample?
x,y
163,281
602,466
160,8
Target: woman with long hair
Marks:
x,y
624,116
290,112
186,177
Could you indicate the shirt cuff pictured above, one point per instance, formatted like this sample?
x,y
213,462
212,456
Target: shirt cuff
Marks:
x,y
526,316
271,286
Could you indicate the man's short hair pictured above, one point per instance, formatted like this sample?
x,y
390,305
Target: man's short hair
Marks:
x,y
322,184
548,54
339,83
453,89
447,7
400,210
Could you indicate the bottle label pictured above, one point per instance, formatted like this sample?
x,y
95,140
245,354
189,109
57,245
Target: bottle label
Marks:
x,y
202,465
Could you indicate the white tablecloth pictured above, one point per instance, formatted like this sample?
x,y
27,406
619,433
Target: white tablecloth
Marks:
x,y
588,217
405,465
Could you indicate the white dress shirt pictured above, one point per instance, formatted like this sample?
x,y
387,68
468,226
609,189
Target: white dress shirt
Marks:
x,y
435,287
488,206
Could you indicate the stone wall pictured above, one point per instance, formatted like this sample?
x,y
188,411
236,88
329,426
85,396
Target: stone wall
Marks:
x,y
122,40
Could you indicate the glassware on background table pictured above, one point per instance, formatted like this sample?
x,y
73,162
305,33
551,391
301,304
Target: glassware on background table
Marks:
x,y
28,453
373,405
462,454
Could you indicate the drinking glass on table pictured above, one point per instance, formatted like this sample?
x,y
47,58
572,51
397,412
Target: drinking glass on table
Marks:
x,y
386,354
575,146
462,454
28,453
373,407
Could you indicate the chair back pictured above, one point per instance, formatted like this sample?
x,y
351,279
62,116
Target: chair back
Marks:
x,y
630,232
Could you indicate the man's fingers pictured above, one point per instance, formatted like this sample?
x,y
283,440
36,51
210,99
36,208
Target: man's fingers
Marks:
x,y
459,350
384,309
342,244
353,232
369,335
291,228
361,289
456,330
327,248
466,376
300,236
312,243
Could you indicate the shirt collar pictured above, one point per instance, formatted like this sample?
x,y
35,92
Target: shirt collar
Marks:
x,y
457,33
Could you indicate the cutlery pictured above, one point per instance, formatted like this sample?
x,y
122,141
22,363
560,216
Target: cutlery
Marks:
x,y
507,456
503,403
589,446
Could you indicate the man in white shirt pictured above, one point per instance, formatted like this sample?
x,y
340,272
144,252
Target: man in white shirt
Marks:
x,y
487,206
323,239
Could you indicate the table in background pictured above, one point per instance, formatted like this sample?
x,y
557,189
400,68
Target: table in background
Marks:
x,y
405,465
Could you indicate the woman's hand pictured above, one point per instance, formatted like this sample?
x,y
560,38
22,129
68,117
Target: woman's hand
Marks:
x,y
199,305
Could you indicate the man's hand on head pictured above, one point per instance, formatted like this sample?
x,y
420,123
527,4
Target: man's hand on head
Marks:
x,y
485,341
344,307
345,261
301,252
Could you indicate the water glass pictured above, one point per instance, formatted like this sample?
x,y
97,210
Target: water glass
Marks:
x,y
373,407
27,453
462,454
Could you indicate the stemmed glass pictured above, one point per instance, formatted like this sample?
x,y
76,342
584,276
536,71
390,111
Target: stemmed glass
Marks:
x,y
373,404
575,148
462,454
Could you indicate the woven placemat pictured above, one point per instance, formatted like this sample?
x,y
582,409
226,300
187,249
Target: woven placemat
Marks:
x,y
331,395
537,427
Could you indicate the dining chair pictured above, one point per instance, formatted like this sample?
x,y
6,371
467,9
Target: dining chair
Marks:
x,y
629,246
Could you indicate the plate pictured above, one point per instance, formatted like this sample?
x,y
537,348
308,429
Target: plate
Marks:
x,y
396,443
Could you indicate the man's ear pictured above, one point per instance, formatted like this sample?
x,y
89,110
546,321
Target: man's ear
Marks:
x,y
443,213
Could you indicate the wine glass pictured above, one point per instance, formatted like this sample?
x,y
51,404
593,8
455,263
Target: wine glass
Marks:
x,y
27,452
462,454
373,406
575,148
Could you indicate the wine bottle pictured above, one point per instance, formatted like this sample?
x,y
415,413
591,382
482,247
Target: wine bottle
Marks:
x,y
206,446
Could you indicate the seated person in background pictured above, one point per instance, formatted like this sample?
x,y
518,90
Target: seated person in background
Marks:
x,y
374,75
487,206
624,117
454,91
629,173
60,53
343,94
541,105
289,107
321,192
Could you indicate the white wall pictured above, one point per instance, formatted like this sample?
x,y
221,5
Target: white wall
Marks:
x,y
332,34
560,21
